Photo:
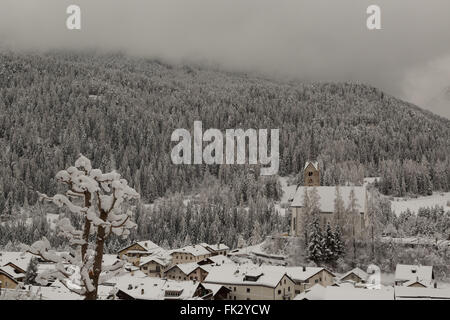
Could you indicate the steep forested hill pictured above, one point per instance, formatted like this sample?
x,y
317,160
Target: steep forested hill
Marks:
x,y
121,111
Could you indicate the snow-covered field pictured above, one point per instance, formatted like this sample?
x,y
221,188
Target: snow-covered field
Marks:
x,y
400,205
288,192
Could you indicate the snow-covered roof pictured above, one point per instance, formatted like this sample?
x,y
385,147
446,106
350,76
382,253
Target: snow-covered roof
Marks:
x,y
318,292
315,164
20,259
215,247
12,272
358,272
146,245
195,250
411,282
405,272
8,273
109,259
268,276
57,291
301,274
163,258
149,288
188,268
219,259
214,288
328,194
409,293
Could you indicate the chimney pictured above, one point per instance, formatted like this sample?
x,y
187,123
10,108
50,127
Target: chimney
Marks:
x,y
304,268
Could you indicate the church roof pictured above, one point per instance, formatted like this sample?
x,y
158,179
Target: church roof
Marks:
x,y
314,163
328,195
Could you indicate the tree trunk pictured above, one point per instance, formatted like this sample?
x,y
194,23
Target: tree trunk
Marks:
x,y
97,269
87,225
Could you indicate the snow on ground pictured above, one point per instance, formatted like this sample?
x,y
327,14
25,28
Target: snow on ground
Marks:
x,y
288,193
52,219
400,205
288,190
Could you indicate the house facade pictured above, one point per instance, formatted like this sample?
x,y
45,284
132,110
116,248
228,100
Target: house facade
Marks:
x,y
253,283
189,254
134,252
7,280
154,266
306,277
414,276
187,271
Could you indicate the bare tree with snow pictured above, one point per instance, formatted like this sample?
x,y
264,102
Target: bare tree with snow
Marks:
x,y
99,198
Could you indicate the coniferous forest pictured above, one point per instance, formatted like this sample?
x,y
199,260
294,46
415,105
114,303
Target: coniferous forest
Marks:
x,y
120,112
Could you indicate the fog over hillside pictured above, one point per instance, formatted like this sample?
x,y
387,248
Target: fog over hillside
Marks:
x,y
308,40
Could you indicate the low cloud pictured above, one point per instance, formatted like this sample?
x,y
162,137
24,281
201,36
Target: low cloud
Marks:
x,y
310,40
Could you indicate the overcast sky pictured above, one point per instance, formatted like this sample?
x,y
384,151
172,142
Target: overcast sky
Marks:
x,y
311,40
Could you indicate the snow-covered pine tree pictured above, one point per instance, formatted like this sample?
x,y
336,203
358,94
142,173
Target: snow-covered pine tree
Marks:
x,y
329,254
339,246
316,242
32,271
99,198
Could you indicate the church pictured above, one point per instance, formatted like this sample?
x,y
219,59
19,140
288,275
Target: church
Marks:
x,y
327,195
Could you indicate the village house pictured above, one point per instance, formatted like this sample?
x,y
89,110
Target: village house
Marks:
x,y
147,288
347,292
414,276
188,254
327,196
215,291
216,249
251,282
355,275
155,265
420,293
215,260
134,252
7,278
306,277
187,271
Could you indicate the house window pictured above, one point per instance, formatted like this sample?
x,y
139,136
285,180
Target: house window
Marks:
x,y
234,289
310,173
248,290
279,291
284,281
316,281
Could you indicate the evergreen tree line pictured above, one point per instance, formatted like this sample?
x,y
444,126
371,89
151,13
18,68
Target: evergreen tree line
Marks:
x,y
325,246
213,213
120,112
